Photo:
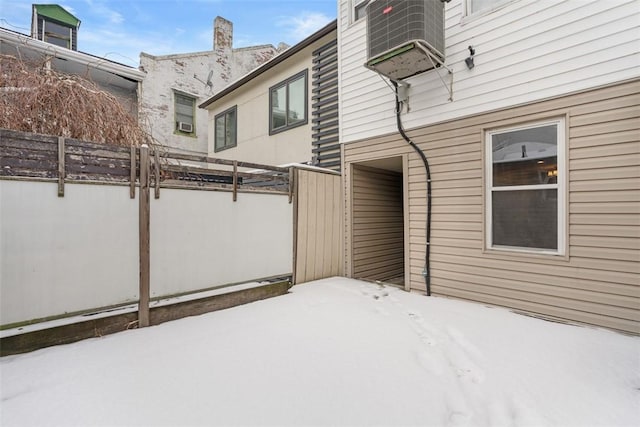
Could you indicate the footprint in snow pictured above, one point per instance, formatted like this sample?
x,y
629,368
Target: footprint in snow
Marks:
x,y
382,311
429,362
462,362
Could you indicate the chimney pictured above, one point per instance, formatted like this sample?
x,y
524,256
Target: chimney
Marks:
x,y
222,35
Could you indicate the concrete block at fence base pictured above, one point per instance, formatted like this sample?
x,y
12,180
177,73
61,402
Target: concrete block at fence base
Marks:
x,y
66,334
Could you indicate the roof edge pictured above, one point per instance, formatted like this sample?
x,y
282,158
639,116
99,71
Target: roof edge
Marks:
x,y
327,29
80,57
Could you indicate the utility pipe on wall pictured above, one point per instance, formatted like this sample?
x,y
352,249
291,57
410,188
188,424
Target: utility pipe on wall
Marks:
x,y
427,266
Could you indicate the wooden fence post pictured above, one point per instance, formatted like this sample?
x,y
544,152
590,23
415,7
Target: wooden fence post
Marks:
x,y
293,194
144,213
291,182
132,176
156,172
235,180
61,167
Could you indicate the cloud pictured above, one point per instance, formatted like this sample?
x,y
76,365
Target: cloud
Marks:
x,y
303,25
69,9
101,9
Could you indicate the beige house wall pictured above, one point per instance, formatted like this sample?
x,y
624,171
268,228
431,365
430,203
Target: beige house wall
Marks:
x,y
597,281
254,144
317,226
378,228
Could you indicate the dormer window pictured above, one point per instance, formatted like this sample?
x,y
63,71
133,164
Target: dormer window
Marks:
x,y
57,34
53,24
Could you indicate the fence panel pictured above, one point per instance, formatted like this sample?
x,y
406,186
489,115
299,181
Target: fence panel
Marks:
x,y
318,234
60,255
69,225
203,239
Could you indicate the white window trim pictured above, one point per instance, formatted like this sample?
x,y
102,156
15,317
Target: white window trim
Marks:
x,y
352,10
468,16
561,187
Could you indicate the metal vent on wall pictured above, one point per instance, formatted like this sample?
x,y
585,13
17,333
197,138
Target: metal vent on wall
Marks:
x,y
405,37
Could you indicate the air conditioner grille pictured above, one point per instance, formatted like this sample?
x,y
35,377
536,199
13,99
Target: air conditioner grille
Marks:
x,y
393,23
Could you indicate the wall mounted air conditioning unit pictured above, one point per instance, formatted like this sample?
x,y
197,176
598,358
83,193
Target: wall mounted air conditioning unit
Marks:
x,y
185,127
405,37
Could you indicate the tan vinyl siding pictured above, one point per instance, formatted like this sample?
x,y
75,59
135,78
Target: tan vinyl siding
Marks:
x,y
598,280
378,224
317,251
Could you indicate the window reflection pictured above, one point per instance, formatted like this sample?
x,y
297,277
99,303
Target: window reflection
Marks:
x,y
288,103
525,157
296,101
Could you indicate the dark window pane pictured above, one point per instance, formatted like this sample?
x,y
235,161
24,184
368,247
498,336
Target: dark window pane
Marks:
x,y
231,129
361,10
220,132
57,34
526,218
184,108
296,101
57,41
527,172
225,129
525,157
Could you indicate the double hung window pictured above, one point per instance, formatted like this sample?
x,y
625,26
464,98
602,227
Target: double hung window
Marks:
x,y
185,107
525,176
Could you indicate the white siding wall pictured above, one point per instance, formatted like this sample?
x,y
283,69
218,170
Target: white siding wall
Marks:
x,y
526,50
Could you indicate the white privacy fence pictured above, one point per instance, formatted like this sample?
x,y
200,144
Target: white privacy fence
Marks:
x,y
63,255
201,239
73,219
60,255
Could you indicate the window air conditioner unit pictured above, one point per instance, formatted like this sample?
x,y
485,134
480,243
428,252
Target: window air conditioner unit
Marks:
x,y
405,37
185,127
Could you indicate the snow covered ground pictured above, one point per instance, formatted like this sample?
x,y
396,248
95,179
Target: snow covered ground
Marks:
x,y
333,352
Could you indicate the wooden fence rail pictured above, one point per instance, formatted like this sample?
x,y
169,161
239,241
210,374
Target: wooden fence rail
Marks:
x,y
44,158
50,158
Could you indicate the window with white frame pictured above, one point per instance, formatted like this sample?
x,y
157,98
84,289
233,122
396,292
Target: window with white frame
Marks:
x,y
226,129
525,174
185,109
475,6
359,9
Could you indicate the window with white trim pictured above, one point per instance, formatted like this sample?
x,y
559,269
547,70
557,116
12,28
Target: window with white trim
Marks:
x,y
525,174
359,9
475,6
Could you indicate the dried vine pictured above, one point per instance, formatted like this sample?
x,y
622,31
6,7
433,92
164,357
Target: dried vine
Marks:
x,y
36,99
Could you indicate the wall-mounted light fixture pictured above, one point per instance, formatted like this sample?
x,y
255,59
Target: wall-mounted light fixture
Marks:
x,y
469,60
